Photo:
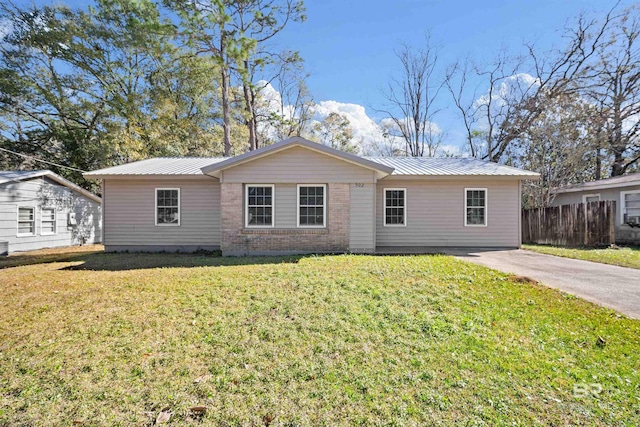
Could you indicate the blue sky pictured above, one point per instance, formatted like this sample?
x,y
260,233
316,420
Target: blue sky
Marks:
x,y
348,46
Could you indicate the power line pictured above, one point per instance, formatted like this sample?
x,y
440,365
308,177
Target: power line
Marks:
x,y
43,161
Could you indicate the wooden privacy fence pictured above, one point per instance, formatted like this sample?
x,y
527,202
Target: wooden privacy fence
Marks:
x,y
580,224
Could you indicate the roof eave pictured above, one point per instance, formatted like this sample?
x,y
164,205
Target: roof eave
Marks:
x,y
463,176
562,190
94,176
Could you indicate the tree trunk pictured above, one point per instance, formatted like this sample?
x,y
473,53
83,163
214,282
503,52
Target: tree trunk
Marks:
x,y
598,162
618,167
255,120
251,119
618,147
226,122
225,114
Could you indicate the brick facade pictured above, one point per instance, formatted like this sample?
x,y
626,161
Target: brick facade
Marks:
x,y
238,240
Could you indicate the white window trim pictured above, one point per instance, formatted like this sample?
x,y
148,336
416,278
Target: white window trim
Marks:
x,y
324,206
155,212
55,222
246,205
35,217
486,207
584,197
384,207
623,208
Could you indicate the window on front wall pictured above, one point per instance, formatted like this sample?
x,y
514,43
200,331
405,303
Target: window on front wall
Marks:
x,y
26,221
588,198
48,221
259,206
167,206
631,207
475,206
311,205
395,207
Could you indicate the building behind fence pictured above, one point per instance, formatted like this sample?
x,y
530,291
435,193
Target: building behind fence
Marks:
x,y
580,224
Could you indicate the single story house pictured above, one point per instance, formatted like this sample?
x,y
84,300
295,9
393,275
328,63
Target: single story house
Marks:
x,y
624,190
40,209
298,196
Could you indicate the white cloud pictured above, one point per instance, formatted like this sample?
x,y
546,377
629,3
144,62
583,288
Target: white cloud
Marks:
x,y
367,133
363,127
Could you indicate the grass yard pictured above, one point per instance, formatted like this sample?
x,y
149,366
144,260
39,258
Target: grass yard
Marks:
x,y
624,257
131,340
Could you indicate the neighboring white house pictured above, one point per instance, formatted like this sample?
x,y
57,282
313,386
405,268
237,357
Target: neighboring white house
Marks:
x,y
40,209
624,190
297,196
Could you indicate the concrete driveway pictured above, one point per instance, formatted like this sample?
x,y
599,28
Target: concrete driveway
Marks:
x,y
611,286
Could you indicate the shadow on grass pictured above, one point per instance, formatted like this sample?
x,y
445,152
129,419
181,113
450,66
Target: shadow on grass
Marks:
x,y
434,250
38,258
97,260
143,261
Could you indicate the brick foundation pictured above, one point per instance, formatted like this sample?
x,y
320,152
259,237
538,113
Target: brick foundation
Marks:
x,y
238,240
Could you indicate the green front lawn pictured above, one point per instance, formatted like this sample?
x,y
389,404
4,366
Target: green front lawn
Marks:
x,y
107,339
624,257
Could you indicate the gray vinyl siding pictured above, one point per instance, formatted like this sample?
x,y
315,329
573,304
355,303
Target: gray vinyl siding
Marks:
x,y
435,214
129,215
362,219
605,194
297,166
42,193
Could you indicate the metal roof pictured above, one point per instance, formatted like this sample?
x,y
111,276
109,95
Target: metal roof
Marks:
x,y
618,181
449,166
159,166
396,166
17,176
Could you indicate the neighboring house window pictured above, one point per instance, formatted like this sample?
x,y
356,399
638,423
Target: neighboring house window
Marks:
x,y
588,198
167,206
395,207
48,221
259,206
26,221
475,207
630,202
312,205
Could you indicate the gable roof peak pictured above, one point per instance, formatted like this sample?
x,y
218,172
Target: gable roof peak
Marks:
x,y
23,175
296,141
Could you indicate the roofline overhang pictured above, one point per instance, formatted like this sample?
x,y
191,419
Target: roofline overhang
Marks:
x,y
595,187
461,177
216,168
149,176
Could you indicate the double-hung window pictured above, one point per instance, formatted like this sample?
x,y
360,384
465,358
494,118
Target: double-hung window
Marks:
x,y
312,205
395,207
259,205
26,221
475,207
48,221
167,206
630,203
